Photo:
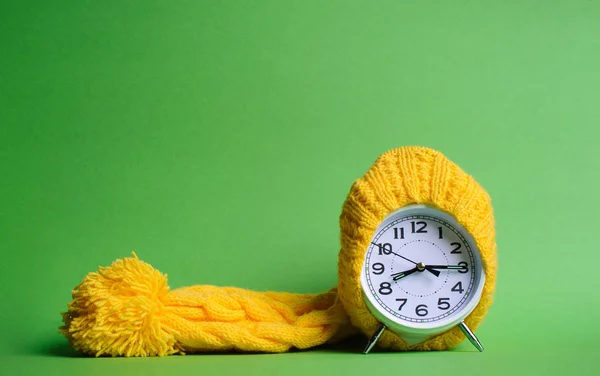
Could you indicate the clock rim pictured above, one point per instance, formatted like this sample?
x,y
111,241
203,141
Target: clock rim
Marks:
x,y
436,327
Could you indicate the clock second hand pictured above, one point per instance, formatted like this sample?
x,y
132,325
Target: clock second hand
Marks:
x,y
432,271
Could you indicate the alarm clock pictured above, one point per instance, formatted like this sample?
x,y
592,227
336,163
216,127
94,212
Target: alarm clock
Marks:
x,y
422,275
417,264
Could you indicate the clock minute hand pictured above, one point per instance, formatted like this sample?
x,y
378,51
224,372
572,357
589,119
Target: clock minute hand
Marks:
x,y
450,267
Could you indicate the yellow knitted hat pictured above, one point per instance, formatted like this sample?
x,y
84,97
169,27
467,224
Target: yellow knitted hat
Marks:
x,y
127,309
400,177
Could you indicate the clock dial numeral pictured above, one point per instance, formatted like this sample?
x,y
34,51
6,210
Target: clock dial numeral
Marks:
x,y
465,267
443,303
458,288
421,310
456,248
398,232
420,230
378,268
385,288
403,302
440,234
385,248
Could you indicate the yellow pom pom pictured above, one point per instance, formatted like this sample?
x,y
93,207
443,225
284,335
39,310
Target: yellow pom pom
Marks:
x,y
118,311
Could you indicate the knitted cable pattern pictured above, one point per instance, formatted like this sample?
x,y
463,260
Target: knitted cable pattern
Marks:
x,y
127,309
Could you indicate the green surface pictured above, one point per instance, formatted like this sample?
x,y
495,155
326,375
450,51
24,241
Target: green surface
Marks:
x,y
219,139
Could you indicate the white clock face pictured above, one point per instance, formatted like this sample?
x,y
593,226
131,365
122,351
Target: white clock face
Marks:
x,y
422,269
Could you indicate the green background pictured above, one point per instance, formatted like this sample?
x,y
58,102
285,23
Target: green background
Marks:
x,y
218,140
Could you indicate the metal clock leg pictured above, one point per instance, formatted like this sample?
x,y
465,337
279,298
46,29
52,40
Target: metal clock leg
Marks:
x,y
373,340
471,336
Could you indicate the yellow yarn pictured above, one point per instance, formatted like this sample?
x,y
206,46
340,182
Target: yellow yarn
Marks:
x,y
127,309
400,177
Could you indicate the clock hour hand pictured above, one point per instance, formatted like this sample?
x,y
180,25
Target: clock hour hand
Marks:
x,y
403,274
432,271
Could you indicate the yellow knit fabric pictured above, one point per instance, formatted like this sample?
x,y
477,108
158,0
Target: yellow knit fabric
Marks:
x,y
127,309
400,177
